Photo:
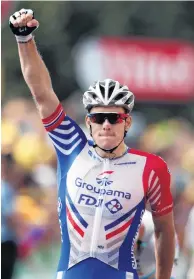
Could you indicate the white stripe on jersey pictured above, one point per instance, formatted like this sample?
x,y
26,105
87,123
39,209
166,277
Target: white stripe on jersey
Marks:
x,y
64,132
66,122
156,199
65,141
70,150
129,275
59,275
154,184
154,193
150,178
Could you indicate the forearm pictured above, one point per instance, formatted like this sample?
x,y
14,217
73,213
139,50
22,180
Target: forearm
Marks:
x,y
165,252
34,70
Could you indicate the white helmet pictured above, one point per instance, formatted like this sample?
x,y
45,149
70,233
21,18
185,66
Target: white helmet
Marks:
x,y
108,93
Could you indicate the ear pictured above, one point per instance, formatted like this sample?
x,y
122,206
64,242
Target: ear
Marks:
x,y
128,123
87,121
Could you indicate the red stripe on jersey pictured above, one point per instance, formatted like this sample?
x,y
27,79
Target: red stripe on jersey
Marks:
x,y
55,124
163,211
119,230
108,172
54,115
76,227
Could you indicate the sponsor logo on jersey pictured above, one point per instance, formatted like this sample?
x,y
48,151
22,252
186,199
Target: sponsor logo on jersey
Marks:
x,y
102,179
133,260
96,190
93,156
89,200
125,163
113,206
59,207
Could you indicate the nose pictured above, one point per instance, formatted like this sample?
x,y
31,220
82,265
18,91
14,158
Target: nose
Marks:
x,y
106,125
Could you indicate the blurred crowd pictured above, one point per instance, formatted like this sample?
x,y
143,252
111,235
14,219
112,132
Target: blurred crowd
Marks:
x,y
29,203
29,208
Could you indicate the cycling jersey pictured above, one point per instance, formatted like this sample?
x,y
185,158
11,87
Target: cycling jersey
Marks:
x,y
101,202
145,251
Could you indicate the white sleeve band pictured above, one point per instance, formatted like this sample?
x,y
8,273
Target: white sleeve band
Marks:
x,y
24,39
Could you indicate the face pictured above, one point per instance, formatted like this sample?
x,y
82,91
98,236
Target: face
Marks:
x,y
107,135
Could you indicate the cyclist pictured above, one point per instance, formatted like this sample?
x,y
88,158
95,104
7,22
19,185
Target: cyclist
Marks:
x,y
102,184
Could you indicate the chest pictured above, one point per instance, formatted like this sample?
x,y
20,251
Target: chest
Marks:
x,y
117,185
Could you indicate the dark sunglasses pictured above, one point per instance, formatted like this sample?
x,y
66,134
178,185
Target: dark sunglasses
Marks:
x,y
112,117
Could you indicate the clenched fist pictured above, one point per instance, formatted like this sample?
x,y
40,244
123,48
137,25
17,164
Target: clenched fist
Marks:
x,y
22,24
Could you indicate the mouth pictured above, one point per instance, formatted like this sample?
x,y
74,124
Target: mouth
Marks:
x,y
106,136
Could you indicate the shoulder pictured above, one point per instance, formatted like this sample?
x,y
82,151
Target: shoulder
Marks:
x,y
153,161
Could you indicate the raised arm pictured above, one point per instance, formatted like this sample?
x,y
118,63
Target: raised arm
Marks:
x,y
35,73
67,137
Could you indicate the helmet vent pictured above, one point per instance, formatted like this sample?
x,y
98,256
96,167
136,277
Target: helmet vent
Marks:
x,y
102,90
110,90
94,96
119,96
129,100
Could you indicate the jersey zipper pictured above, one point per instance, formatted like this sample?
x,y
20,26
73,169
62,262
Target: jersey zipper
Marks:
x,y
98,216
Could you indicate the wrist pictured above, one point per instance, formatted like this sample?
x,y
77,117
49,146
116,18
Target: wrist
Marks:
x,y
24,39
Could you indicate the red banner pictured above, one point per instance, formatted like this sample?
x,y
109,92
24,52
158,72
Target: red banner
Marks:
x,y
154,69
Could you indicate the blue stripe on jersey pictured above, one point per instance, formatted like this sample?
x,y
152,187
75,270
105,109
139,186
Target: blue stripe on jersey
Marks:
x,y
119,220
92,268
64,127
74,209
64,143
63,133
65,245
66,131
68,140
126,254
66,136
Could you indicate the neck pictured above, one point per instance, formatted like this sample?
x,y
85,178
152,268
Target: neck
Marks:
x,y
118,152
